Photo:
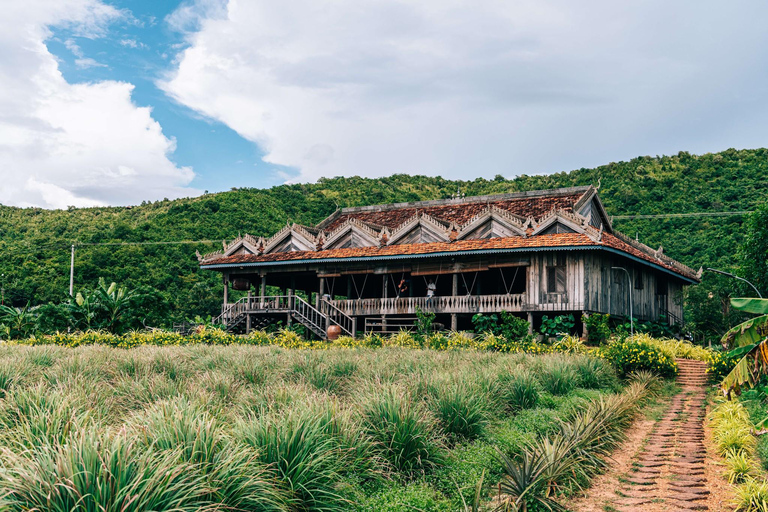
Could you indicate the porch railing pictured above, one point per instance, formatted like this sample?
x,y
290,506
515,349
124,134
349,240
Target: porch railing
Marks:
x,y
444,304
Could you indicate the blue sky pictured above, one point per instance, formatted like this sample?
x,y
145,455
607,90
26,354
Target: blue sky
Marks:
x,y
114,102
139,50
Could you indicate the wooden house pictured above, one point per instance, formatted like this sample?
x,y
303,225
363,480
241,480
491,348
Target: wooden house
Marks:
x,y
370,268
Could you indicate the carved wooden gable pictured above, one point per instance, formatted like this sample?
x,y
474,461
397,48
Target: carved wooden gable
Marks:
x,y
291,238
492,223
420,229
352,233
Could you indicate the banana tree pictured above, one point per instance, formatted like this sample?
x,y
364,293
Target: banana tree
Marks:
x,y
749,341
17,322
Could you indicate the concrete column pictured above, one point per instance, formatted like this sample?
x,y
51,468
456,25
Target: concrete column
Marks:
x,y
530,323
584,330
247,323
226,289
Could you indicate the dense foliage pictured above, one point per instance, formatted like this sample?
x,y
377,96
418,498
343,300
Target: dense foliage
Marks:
x,y
35,243
630,355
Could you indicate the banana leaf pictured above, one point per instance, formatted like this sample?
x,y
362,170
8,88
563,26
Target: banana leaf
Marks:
x,y
742,351
747,371
750,332
757,306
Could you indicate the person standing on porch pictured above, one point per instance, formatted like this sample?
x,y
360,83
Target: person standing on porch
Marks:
x,y
431,288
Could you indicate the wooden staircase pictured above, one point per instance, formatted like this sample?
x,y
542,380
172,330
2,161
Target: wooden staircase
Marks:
x,y
265,311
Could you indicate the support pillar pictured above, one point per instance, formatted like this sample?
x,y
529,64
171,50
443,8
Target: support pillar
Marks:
x,y
455,292
226,289
584,330
384,296
530,323
320,293
349,287
262,291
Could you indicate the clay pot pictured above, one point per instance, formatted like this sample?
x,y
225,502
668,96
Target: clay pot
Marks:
x,y
333,332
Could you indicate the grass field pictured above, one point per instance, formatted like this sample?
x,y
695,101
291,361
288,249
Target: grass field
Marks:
x,y
265,428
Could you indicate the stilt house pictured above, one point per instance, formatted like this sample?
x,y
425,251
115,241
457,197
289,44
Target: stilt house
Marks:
x,y
370,268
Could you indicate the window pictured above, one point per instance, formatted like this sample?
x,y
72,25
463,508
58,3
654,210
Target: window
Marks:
x,y
661,286
556,279
638,280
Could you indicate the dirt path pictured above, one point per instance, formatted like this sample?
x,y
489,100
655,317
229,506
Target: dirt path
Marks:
x,y
664,465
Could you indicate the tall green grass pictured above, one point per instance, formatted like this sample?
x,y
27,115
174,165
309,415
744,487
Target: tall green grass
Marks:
x,y
242,428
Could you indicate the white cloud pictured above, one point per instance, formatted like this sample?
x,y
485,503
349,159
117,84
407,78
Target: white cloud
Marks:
x,y
132,43
474,87
80,144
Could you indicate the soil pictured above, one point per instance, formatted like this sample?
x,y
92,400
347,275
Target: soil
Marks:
x,y
665,465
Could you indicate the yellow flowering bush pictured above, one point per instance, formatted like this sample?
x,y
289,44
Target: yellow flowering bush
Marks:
x,y
630,356
402,339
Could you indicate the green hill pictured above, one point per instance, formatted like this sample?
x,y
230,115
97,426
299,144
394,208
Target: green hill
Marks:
x,y
35,242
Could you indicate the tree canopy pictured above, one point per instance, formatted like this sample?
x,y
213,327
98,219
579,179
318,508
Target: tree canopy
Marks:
x,y
35,242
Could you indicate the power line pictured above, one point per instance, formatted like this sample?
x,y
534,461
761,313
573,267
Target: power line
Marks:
x,y
681,215
179,242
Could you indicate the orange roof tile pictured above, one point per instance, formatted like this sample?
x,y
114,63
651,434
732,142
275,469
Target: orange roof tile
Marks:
x,y
534,242
392,217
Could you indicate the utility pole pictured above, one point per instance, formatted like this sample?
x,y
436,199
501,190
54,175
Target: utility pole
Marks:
x,y
72,273
629,282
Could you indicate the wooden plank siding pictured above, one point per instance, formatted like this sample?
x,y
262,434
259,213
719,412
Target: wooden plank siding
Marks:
x,y
606,290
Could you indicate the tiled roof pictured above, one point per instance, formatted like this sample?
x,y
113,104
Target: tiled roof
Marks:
x,y
533,242
393,217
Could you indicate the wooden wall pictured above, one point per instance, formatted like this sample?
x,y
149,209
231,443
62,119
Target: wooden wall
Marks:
x,y
606,290
537,278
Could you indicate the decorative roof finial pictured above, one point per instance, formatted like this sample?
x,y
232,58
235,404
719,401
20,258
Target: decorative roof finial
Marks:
x,y
598,183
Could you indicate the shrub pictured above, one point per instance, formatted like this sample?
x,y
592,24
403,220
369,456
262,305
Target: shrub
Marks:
x,y
594,373
557,377
552,327
98,472
424,321
720,364
568,344
740,466
485,323
402,432
402,339
513,327
598,328
631,356
300,454
234,478
460,340
752,496
436,341
460,410
518,391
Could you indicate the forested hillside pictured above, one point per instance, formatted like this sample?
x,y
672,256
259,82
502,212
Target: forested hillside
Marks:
x,y
35,242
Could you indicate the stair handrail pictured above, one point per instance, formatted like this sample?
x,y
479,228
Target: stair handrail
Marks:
x,y
346,323
226,311
307,311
